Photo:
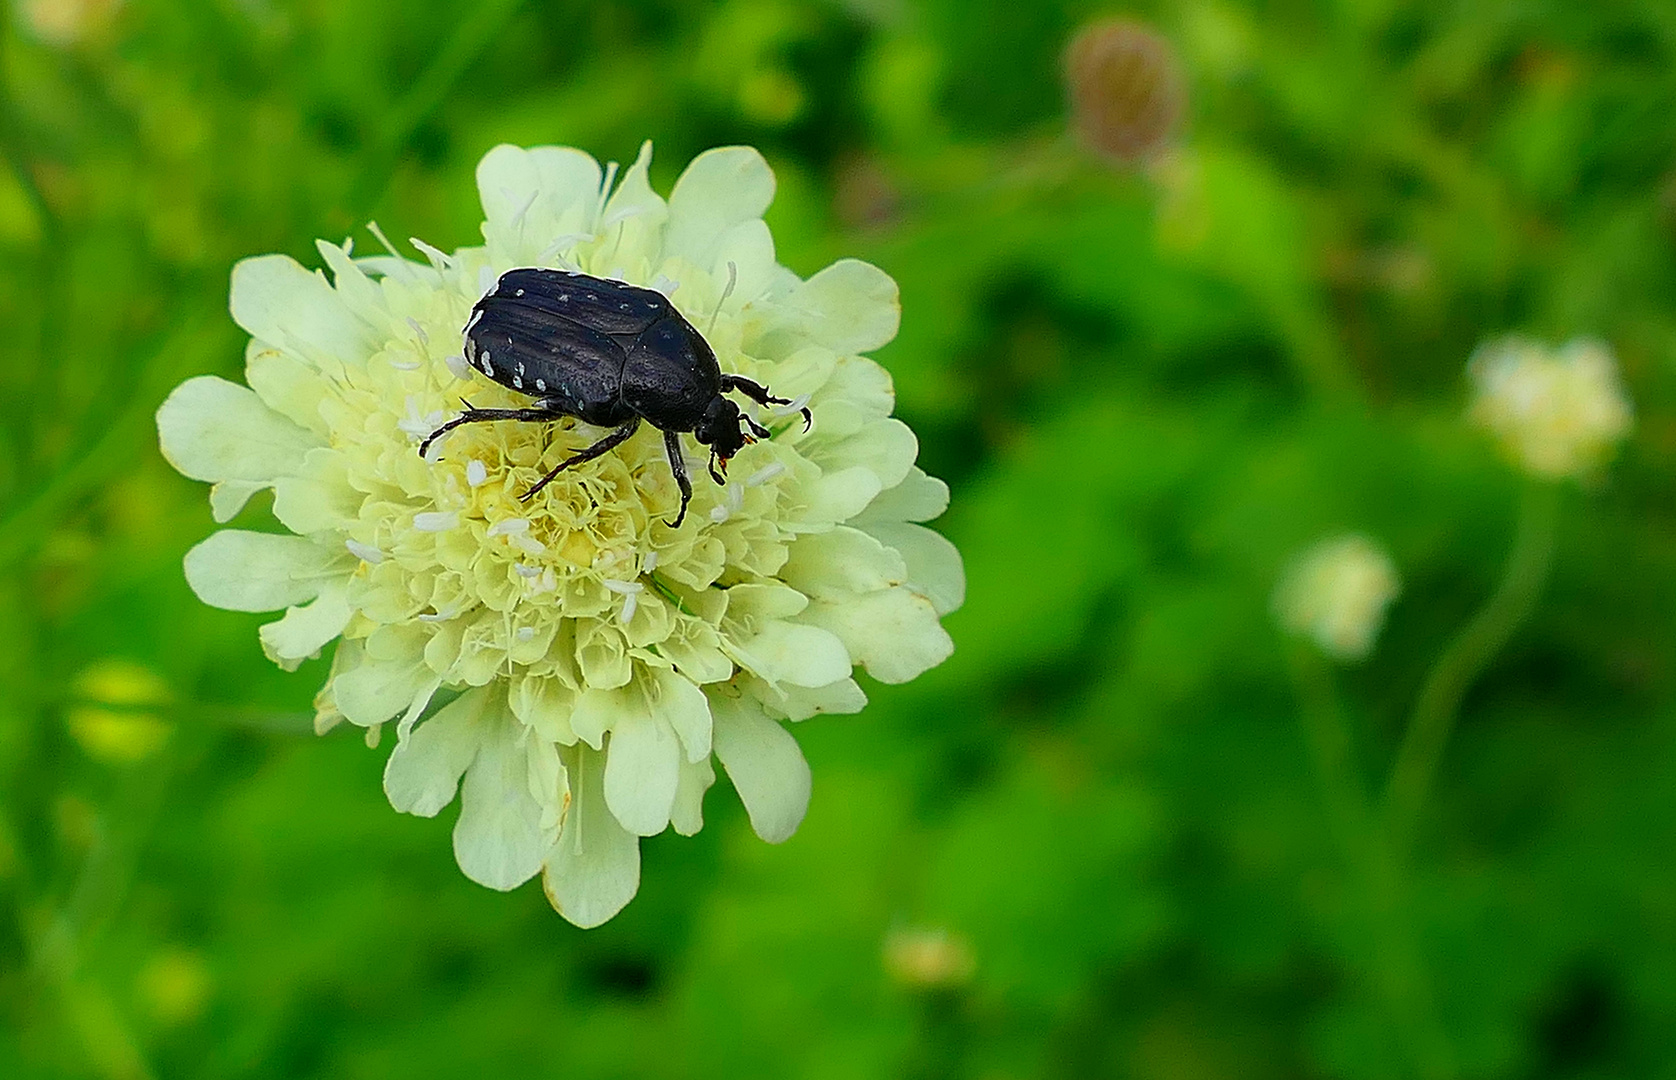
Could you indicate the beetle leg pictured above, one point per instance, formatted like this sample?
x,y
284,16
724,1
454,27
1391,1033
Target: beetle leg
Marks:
x,y
756,429
678,466
761,395
718,477
477,416
616,438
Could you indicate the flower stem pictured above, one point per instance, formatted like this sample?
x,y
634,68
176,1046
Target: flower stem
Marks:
x,y
1397,973
1465,659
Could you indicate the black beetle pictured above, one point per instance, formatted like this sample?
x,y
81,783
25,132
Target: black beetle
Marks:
x,y
611,354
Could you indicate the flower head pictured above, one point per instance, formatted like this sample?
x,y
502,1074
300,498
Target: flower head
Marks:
x,y
569,664
1126,91
1558,414
1335,593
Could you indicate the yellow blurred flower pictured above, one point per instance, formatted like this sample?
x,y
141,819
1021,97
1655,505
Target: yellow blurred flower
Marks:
x,y
114,712
928,958
1558,414
1335,593
64,22
175,986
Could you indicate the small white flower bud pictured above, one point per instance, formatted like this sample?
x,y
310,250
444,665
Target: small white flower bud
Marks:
x,y
1558,414
1335,593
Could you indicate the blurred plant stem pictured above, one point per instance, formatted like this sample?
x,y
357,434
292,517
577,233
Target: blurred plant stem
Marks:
x,y
1376,883
475,33
30,523
1464,660
59,935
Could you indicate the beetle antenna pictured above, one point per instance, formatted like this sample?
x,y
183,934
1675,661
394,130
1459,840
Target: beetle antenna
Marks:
x,y
732,280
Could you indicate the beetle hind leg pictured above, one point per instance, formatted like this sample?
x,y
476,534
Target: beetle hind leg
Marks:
x,y
611,441
763,396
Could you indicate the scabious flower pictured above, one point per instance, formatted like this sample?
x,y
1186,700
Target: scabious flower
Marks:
x,y
570,664
1335,593
1558,414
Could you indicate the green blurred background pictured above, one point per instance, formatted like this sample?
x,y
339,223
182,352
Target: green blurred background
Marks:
x,y
1147,383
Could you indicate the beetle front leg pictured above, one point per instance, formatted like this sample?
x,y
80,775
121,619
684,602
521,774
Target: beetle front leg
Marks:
x,y
678,466
762,396
616,438
478,416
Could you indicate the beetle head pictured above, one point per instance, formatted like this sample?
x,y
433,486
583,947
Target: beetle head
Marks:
x,y
722,428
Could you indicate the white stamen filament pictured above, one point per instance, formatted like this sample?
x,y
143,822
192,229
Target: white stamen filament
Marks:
x,y
508,526
518,218
439,261
764,474
424,338
528,544
457,366
405,365
649,563
525,570
436,520
623,588
477,473
526,633
485,281
606,183
365,552
665,284
567,240
384,241
549,580
732,281
630,603
621,214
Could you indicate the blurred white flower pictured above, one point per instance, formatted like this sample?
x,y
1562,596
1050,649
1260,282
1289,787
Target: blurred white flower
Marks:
x,y
1335,593
1557,413
596,656
928,958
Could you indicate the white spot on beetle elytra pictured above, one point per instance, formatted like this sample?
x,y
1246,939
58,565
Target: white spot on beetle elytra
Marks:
x,y
541,384
517,383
